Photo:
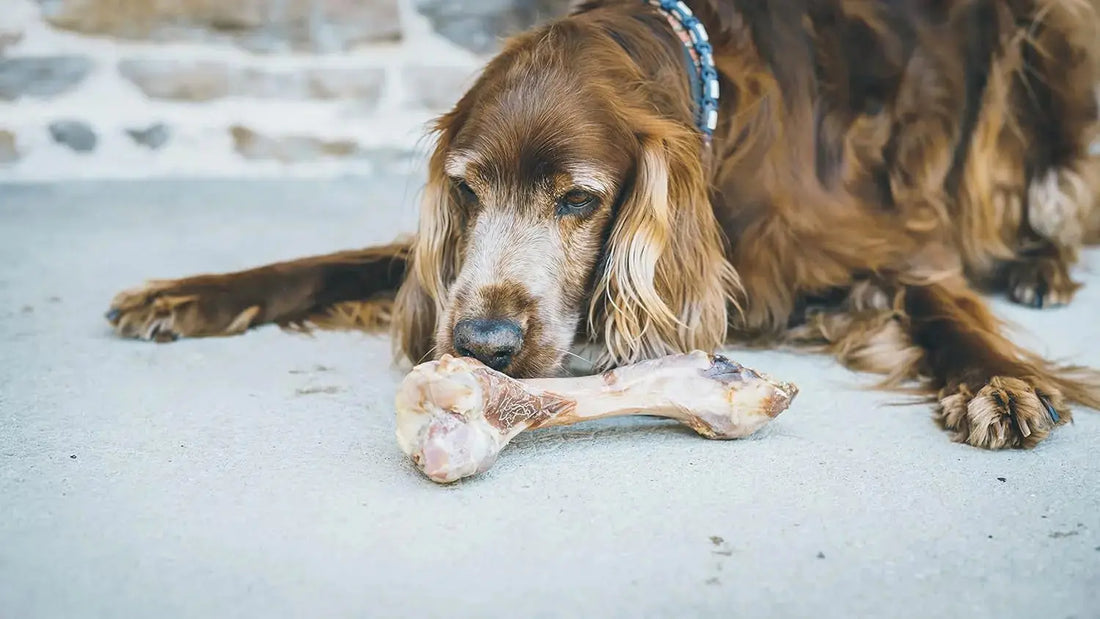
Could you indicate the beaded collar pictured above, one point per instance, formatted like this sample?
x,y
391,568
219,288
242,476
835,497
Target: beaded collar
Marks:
x,y
699,58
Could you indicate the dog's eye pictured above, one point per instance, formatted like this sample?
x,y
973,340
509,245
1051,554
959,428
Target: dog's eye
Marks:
x,y
467,193
576,202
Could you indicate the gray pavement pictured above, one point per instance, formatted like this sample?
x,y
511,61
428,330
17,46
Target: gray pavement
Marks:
x,y
258,476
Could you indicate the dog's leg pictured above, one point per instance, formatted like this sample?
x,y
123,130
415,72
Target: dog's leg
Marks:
x,y
991,393
1056,99
1062,212
919,152
866,331
350,289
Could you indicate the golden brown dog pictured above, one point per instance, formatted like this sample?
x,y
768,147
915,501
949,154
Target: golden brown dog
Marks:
x,y
875,163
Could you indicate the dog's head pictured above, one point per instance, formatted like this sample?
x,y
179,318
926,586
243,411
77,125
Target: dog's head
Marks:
x,y
566,196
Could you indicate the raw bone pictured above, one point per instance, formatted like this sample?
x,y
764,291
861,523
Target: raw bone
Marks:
x,y
454,415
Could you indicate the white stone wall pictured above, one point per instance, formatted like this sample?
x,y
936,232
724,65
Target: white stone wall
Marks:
x,y
146,88
215,107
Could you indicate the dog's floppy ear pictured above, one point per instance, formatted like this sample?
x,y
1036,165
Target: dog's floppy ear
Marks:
x,y
435,257
666,285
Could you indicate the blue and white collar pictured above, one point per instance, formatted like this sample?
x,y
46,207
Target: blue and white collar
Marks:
x,y
699,58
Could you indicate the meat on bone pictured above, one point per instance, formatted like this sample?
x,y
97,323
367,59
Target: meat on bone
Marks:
x,y
454,415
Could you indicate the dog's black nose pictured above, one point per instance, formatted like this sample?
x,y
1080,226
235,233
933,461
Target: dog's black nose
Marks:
x,y
493,342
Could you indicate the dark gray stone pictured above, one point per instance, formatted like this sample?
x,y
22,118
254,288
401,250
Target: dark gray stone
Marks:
x,y
75,134
479,25
41,76
258,25
151,137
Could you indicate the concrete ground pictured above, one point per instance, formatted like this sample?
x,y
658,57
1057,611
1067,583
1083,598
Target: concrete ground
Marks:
x,y
258,476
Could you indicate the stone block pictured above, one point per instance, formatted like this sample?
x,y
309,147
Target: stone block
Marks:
x,y
392,161
263,84
9,151
258,25
75,134
436,88
359,83
479,25
8,38
206,80
178,80
41,76
289,149
152,137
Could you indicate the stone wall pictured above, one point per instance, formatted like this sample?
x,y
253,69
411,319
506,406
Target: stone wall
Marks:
x,y
130,88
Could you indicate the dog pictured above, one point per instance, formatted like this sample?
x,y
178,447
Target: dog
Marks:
x,y
648,177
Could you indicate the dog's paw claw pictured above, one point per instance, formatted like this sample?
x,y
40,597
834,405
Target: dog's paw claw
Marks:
x,y
1054,416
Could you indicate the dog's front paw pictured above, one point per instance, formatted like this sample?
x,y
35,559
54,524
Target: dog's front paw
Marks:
x,y
165,310
1004,413
1042,282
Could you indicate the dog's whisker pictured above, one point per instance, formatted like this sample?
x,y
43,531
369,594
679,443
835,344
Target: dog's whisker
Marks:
x,y
575,356
427,355
588,363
